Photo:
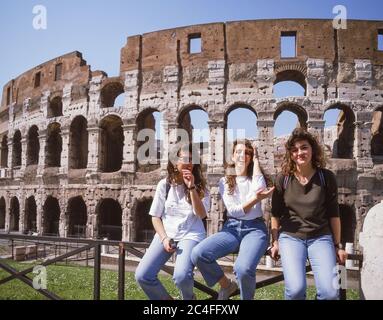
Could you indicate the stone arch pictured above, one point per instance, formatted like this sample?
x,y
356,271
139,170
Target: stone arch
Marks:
x,y
377,136
55,107
33,146
344,143
51,216
30,218
109,219
289,74
77,217
185,121
4,151
298,110
54,145
110,92
2,213
78,143
16,149
146,120
144,230
14,211
112,144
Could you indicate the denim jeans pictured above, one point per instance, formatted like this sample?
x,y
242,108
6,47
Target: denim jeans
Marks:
x,y
247,236
321,253
150,265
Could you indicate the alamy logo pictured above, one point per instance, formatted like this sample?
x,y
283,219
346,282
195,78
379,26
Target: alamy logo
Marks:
x,y
340,20
39,22
40,280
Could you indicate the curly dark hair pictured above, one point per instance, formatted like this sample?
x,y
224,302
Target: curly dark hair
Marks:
x,y
300,134
199,180
230,178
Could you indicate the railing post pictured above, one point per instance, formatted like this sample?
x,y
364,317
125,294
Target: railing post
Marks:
x,y
97,272
13,257
342,291
121,272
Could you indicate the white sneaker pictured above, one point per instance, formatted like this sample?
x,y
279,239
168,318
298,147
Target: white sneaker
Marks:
x,y
225,293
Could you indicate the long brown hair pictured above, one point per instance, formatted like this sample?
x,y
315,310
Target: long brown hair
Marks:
x,y
300,134
230,178
199,180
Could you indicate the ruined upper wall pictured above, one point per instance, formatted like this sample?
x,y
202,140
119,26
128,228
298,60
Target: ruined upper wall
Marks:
x,y
74,71
246,42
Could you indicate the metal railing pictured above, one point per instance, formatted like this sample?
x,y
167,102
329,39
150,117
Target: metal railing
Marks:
x,y
80,246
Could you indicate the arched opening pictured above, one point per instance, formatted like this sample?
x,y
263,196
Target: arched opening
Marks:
x,y
112,95
77,217
2,213
377,136
241,122
112,144
30,215
194,120
348,223
343,140
33,146
4,152
51,214
289,83
78,143
55,108
16,149
143,222
54,146
109,215
14,214
149,140
287,117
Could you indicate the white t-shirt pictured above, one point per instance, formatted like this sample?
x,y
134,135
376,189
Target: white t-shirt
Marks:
x,y
178,217
245,189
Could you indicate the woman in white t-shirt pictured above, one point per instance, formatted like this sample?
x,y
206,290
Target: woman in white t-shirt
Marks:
x,y
242,190
180,203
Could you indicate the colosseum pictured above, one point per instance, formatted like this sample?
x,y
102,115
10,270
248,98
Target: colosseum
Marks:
x,y
68,151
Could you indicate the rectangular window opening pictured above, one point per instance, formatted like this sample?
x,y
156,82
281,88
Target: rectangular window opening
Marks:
x,y
37,79
58,71
8,96
380,40
195,43
288,44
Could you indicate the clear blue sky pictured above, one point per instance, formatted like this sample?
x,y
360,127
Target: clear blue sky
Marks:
x,y
99,29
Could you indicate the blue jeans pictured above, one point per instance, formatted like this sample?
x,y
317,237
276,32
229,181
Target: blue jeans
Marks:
x,y
247,236
150,265
321,253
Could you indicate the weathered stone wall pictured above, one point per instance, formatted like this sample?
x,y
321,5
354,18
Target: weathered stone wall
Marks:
x,y
238,65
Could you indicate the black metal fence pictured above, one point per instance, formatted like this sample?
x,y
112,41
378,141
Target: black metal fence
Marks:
x,y
61,249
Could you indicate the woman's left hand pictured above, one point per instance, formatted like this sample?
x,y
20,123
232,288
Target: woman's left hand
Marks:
x,y
188,178
341,256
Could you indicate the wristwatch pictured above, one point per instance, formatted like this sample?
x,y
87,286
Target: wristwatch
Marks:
x,y
192,188
338,246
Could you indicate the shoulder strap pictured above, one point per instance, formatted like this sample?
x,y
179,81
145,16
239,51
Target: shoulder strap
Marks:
x,y
322,178
286,180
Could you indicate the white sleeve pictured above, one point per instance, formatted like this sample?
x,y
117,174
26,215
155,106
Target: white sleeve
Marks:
x,y
158,204
233,206
258,182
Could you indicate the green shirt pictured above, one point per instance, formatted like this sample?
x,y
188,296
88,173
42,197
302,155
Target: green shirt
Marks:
x,y
305,210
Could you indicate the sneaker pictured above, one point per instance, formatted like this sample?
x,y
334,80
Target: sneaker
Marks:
x,y
225,293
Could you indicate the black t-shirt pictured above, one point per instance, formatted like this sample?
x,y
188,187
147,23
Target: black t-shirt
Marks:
x,y
305,210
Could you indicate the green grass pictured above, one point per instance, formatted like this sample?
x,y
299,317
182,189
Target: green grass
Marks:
x,y
76,283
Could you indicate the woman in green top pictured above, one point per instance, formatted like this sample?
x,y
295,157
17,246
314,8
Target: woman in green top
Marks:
x,y
305,219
